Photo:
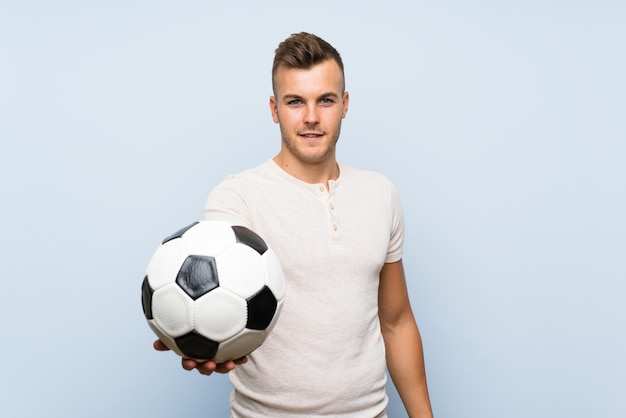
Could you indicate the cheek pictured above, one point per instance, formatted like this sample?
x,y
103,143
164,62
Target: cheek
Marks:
x,y
287,119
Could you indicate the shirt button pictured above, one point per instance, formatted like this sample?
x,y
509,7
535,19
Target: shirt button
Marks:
x,y
335,227
332,207
322,188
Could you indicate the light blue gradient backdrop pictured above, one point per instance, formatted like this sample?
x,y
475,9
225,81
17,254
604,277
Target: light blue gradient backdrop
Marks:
x,y
501,123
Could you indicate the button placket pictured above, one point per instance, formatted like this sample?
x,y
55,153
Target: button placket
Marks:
x,y
332,210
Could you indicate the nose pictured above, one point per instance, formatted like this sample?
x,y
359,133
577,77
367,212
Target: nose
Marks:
x,y
311,114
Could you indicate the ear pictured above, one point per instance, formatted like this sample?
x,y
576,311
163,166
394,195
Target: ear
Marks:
x,y
346,100
274,109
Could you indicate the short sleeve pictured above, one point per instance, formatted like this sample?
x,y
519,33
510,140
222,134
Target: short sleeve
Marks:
x,y
226,203
396,240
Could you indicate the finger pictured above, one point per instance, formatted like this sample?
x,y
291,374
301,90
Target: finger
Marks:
x,y
230,365
160,346
189,364
225,367
206,367
242,360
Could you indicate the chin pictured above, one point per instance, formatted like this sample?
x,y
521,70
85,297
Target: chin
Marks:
x,y
313,158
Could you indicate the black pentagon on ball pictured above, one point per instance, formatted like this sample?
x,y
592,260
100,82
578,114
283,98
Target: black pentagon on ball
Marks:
x,y
198,275
261,309
196,346
146,298
180,232
251,239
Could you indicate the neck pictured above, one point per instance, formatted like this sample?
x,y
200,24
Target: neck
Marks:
x,y
314,173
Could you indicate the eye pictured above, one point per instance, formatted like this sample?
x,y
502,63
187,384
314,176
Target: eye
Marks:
x,y
294,102
327,101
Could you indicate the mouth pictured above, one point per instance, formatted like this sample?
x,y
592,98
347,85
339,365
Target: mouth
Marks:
x,y
311,135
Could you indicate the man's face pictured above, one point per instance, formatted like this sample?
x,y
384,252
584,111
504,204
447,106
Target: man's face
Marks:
x,y
309,105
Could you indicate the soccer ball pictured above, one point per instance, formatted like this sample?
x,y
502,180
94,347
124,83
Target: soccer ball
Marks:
x,y
213,291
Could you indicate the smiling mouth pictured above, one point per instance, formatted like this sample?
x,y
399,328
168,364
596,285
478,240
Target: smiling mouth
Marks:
x,y
311,135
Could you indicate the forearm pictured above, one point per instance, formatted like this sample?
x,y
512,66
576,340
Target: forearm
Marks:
x,y
405,361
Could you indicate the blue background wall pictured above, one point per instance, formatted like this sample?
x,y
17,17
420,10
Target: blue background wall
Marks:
x,y
502,124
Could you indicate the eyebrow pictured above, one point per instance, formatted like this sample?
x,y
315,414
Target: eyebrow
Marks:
x,y
298,97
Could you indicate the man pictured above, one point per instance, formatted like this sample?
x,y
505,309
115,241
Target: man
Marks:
x,y
338,232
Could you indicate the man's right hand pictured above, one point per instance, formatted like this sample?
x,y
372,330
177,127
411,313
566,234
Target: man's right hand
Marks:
x,y
204,367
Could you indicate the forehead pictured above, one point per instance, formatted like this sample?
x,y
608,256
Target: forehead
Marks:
x,y
320,79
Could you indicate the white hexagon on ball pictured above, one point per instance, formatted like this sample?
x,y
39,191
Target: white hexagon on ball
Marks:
x,y
240,269
219,315
172,310
221,235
